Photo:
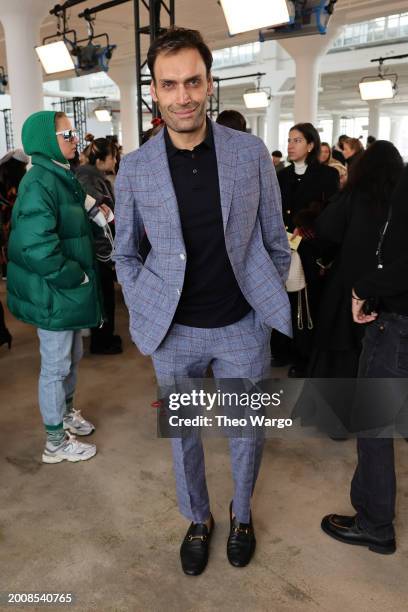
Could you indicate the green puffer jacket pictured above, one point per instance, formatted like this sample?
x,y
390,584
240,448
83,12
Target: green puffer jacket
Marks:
x,y
51,250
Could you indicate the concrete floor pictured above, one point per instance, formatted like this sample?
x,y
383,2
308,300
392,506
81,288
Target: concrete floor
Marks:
x,y
108,530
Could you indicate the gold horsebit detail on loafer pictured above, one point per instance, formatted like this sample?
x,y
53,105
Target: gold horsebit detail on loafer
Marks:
x,y
203,538
240,530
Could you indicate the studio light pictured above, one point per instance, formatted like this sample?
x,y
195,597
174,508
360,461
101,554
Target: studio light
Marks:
x,y
92,58
384,86
103,114
256,99
68,53
378,89
306,18
55,57
243,16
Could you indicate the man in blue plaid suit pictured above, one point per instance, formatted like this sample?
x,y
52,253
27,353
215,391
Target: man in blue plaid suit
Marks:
x,y
212,286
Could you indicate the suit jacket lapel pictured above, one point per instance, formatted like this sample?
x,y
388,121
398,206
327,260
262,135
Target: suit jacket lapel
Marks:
x,y
164,183
227,168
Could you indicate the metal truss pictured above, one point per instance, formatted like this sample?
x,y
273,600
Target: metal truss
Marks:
x,y
8,128
153,30
77,109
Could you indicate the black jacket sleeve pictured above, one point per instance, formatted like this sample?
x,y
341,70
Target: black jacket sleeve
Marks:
x,y
388,281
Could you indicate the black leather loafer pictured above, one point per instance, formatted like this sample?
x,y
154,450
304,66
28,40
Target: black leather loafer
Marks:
x,y
241,542
346,529
195,547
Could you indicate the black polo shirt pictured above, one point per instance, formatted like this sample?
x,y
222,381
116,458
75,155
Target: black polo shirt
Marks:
x,y
211,296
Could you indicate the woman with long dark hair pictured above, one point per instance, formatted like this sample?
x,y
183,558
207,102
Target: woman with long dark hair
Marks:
x,y
306,186
101,156
384,355
352,225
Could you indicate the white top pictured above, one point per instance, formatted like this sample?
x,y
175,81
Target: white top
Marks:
x,y
300,167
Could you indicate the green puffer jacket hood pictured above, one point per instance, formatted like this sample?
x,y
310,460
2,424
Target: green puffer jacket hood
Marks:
x,y
38,136
52,280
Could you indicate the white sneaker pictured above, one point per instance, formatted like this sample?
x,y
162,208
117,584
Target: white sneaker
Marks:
x,y
75,423
69,450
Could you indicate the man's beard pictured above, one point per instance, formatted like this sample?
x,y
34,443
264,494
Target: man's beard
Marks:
x,y
185,125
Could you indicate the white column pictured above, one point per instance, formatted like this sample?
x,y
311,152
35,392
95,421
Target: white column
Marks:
x,y
307,85
336,127
307,53
374,118
124,76
253,124
395,131
116,123
272,123
21,20
261,126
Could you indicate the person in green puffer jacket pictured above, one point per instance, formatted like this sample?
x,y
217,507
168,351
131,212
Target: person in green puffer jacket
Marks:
x,y
52,280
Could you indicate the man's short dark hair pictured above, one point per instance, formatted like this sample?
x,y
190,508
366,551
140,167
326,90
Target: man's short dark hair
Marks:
x,y
174,40
232,119
276,153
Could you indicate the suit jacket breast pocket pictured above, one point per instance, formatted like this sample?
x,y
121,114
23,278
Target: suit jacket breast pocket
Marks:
x,y
247,183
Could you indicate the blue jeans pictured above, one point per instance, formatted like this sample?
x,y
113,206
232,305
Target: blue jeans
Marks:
x,y
61,352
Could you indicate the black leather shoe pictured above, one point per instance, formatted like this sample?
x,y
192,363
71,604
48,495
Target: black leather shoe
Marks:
x,y
241,542
195,547
5,338
346,529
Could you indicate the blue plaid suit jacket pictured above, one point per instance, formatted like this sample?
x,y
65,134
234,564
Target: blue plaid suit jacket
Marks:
x,y
255,236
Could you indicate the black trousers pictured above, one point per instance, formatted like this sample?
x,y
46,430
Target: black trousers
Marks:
x,y
2,321
102,337
373,488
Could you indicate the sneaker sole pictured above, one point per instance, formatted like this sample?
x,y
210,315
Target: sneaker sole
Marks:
x,y
73,459
78,432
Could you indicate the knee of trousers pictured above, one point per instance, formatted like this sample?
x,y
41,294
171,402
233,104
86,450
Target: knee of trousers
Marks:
x,y
55,371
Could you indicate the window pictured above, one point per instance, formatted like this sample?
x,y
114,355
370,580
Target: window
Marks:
x,y
369,32
235,56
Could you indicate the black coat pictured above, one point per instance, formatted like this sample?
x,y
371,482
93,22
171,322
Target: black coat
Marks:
x,y
318,184
352,223
390,283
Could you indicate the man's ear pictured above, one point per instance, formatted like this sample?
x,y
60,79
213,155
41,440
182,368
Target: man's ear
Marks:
x,y
153,91
210,86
